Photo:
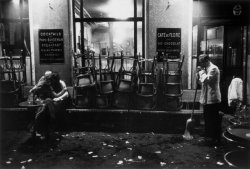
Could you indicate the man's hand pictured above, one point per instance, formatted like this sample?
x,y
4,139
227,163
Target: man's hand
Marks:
x,y
57,99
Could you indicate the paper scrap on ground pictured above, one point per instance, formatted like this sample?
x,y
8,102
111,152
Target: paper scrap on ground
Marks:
x,y
120,162
162,164
220,163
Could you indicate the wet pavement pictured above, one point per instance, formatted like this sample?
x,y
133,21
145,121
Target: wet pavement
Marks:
x,y
103,150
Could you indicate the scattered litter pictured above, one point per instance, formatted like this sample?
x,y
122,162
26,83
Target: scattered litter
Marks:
x,y
248,134
8,162
95,156
14,150
207,157
57,139
114,155
127,133
29,160
139,157
104,156
152,133
127,142
172,162
157,152
120,162
219,163
104,144
162,164
51,149
109,135
130,160
90,152
22,162
241,147
215,147
22,167
130,148
71,158
110,146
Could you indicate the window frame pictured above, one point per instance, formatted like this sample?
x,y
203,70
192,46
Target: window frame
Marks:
x,y
134,19
22,20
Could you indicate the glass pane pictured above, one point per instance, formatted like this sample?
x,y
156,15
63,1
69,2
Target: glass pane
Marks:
x,y
78,36
10,9
77,8
194,56
108,38
139,38
123,38
215,45
121,9
25,9
12,38
139,8
26,32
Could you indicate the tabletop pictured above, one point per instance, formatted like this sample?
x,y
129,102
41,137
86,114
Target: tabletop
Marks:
x,y
29,104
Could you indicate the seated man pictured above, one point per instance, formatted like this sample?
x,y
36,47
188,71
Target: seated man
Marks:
x,y
53,93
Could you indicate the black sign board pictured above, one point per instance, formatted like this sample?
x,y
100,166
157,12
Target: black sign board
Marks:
x,y
168,42
51,46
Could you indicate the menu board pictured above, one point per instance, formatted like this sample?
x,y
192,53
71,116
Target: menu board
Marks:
x,y
51,46
168,42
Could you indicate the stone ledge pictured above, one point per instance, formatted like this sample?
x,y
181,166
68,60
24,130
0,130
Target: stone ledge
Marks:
x,y
134,111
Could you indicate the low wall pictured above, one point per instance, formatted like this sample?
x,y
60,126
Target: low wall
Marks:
x,y
113,119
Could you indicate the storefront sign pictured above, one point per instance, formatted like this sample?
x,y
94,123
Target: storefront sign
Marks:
x,y
168,42
51,46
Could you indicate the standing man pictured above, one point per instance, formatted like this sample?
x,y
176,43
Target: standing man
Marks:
x,y
209,77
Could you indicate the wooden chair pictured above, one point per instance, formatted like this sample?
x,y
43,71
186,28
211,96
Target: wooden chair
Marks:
x,y
147,86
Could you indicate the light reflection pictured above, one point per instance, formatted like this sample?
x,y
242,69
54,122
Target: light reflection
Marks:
x,y
122,31
16,2
118,9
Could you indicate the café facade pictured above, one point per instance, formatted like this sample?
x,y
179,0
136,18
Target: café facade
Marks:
x,y
66,35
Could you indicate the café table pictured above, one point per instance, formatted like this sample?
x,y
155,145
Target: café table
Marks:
x,y
32,106
239,135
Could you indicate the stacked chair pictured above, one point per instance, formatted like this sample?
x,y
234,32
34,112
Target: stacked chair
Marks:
x,y
125,82
172,82
147,87
105,82
84,85
11,73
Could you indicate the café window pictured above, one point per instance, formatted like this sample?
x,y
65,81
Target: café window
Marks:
x,y
14,36
109,27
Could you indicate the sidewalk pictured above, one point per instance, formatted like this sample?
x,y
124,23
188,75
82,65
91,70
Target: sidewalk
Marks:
x,y
95,150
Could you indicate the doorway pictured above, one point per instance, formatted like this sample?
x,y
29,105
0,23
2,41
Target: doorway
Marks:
x,y
225,46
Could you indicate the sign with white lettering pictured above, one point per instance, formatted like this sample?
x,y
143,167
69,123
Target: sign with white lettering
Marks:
x,y
51,46
168,42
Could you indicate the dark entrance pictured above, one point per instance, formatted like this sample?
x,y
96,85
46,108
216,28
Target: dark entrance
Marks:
x,y
220,30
